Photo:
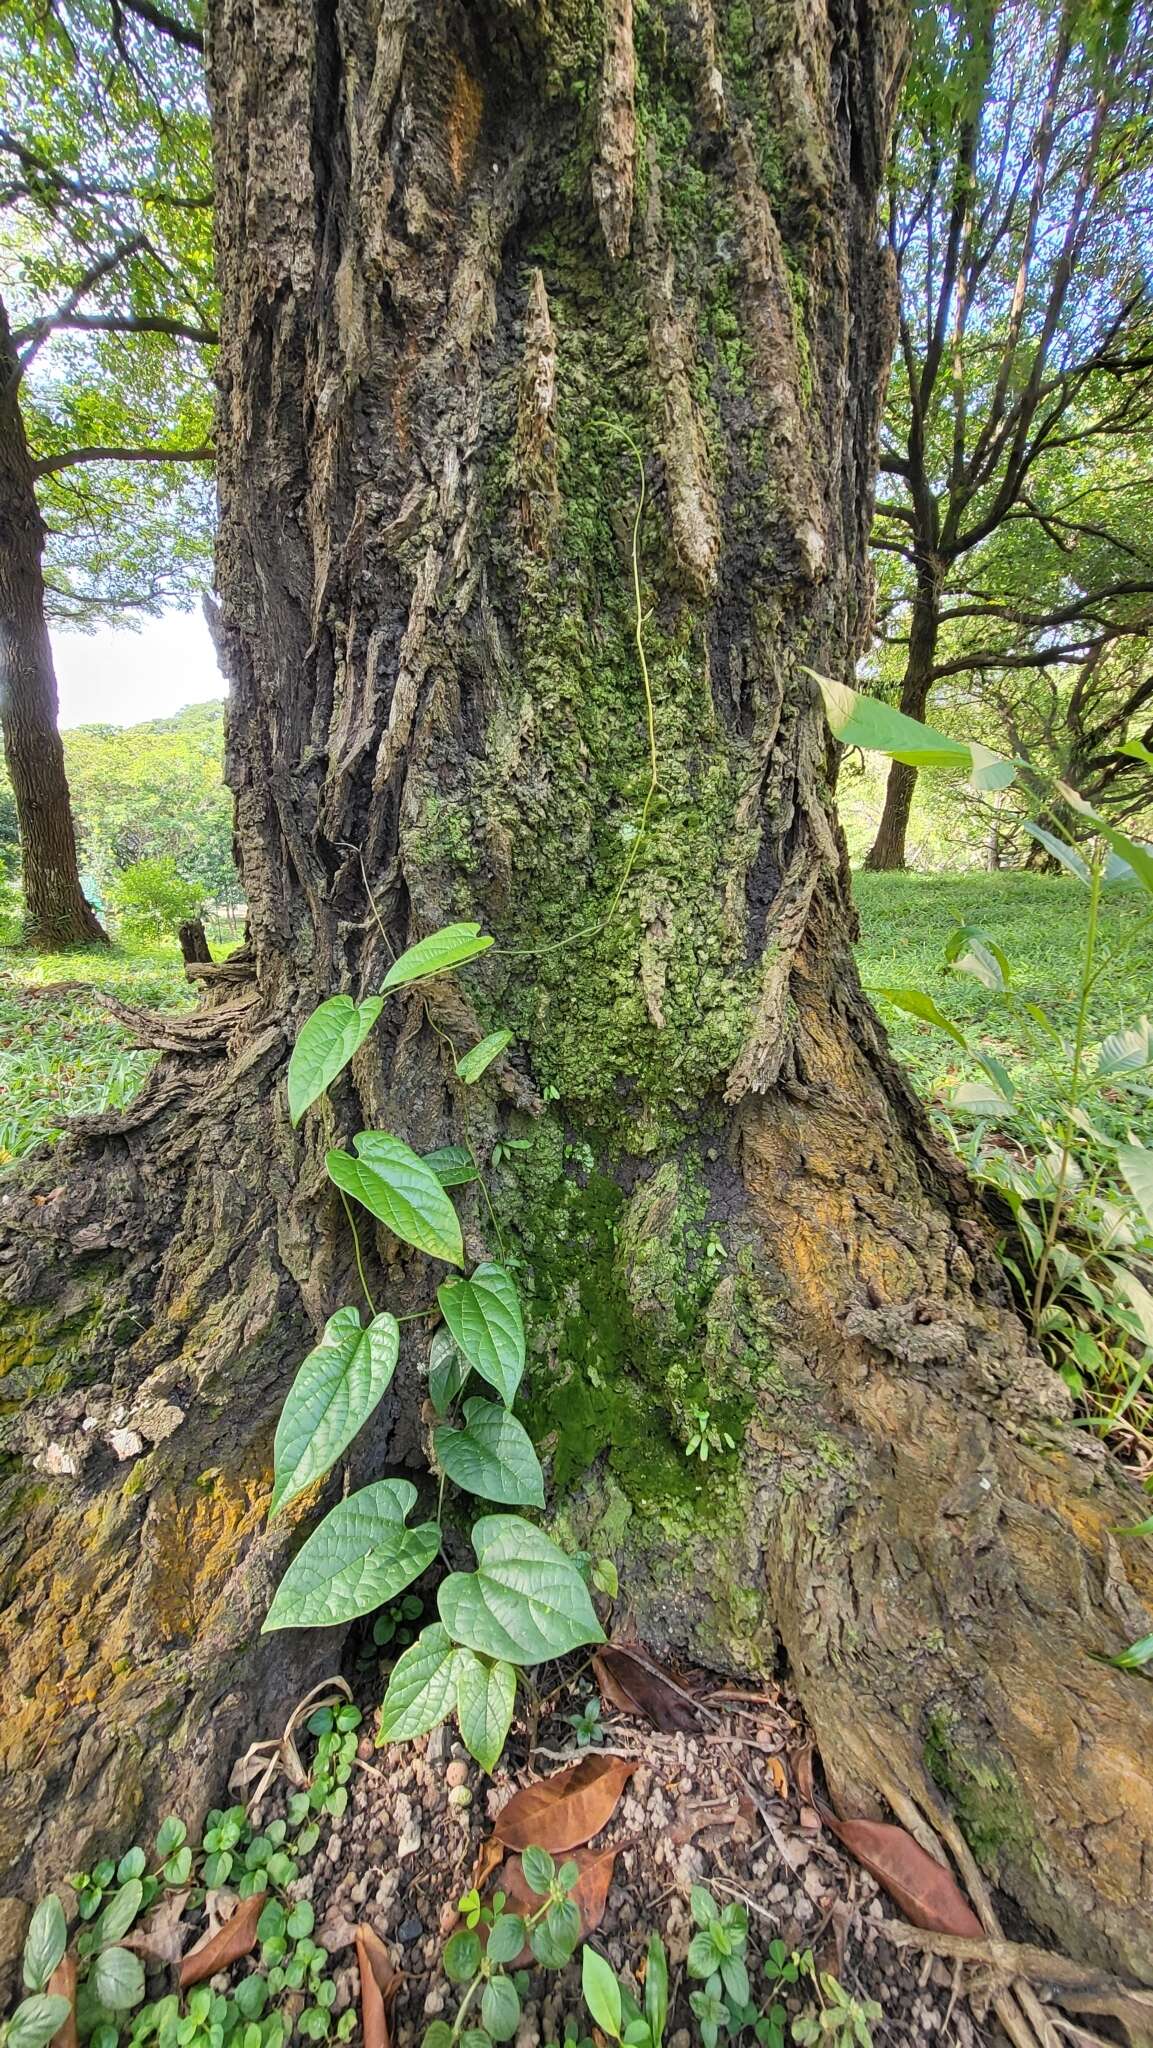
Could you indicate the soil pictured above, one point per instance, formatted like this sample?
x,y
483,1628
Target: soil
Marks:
x,y
719,1808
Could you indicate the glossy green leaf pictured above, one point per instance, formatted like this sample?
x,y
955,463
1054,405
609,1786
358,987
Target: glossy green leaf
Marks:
x,y
1135,858
448,1370
449,947
485,1698
1136,1163
453,1165
400,1188
483,1316
971,951
474,1063
326,1044
45,1942
917,1004
332,1396
117,1979
121,1910
422,1688
35,2020
858,720
362,1555
491,1456
525,1602
1136,1656
602,1993
1060,850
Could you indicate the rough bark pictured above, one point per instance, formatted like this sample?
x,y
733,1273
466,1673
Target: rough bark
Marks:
x,y
435,341
57,913
887,852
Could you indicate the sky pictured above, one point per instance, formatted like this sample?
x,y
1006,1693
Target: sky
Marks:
x,y
121,677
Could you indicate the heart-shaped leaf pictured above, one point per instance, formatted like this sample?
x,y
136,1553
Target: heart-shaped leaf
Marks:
x,y
525,1602
422,1688
400,1188
491,1456
333,1394
362,1555
483,1315
447,1370
326,1044
453,1165
473,1064
449,947
485,1697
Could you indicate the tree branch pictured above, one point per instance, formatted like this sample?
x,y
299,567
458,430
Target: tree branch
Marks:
x,y
168,25
131,323
50,465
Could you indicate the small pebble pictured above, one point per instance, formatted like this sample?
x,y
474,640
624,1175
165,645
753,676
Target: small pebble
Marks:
x,y
460,1796
456,1774
410,1930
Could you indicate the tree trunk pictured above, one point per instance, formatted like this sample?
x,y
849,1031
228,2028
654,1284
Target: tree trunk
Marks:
x,y
57,913
887,852
471,259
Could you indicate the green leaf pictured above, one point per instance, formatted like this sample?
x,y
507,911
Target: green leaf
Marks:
x,y
170,1835
422,1688
971,951
491,1456
1136,859
474,1063
362,1555
1144,1528
1136,1656
326,1044
35,2021
506,1938
447,1371
462,1954
121,1910
449,947
657,1989
453,1165
500,2008
117,1979
861,721
1060,850
539,1870
920,1005
485,1697
525,1602
397,1186
1126,1051
1136,1163
483,1315
602,1993
45,1943
332,1396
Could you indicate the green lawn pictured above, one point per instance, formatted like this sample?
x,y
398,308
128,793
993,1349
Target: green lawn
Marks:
x,y
1039,922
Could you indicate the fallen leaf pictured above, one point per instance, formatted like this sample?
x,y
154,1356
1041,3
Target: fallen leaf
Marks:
x,y
777,1774
62,1984
926,1892
161,1936
380,1980
633,1684
567,1809
489,1857
235,1939
589,1894
801,1765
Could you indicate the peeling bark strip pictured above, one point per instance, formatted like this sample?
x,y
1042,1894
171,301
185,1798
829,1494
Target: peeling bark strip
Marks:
x,y
614,173
434,717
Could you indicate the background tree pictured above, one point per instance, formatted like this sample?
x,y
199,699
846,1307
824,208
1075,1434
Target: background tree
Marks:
x,y
481,264
1017,437
106,312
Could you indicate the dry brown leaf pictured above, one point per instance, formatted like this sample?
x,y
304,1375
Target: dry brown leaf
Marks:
x,y
632,1683
777,1774
801,1765
926,1892
567,1809
380,1980
160,1938
62,1984
589,1895
235,1939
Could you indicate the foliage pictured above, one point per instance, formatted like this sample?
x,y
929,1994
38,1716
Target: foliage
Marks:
x,y
481,1967
153,898
106,264
526,1600
586,1724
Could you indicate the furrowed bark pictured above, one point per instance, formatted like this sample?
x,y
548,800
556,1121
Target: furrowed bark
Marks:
x,y
442,354
57,912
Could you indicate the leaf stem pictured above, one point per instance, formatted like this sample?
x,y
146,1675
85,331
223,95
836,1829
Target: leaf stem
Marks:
x,y
356,1248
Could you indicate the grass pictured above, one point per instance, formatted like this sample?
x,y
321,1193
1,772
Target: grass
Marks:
x,y
60,1054
1039,922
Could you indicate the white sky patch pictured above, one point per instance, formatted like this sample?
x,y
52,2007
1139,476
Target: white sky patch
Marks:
x,y
121,676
